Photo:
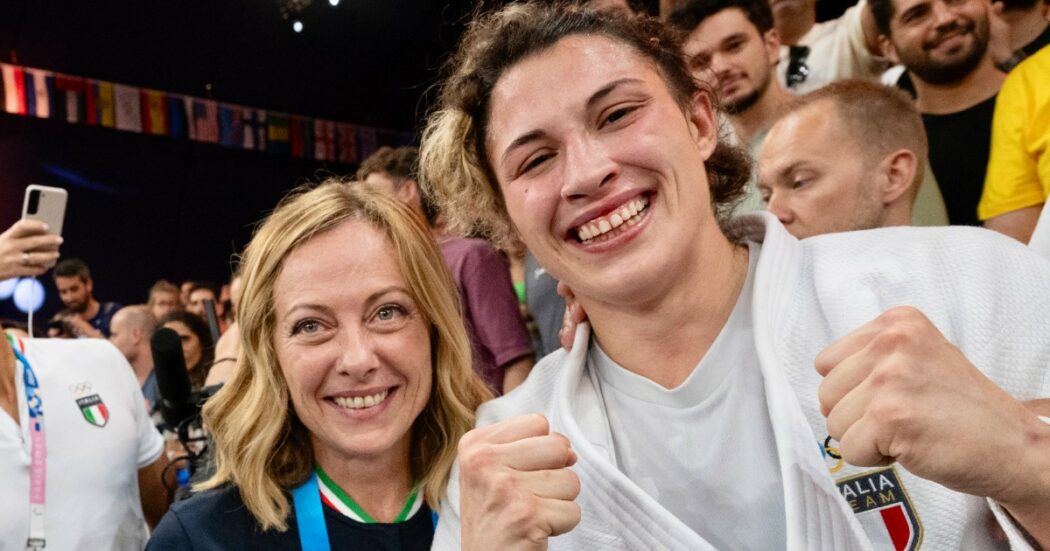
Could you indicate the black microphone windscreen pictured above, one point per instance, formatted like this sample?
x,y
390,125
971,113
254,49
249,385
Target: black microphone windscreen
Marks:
x,y
173,381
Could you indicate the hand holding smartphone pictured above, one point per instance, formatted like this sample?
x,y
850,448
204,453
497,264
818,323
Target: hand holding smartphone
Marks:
x,y
46,204
30,246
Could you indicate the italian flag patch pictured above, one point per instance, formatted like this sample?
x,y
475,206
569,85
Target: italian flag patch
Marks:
x,y
94,410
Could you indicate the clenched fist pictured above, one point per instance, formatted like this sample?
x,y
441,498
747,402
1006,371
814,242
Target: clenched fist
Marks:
x,y
896,390
516,489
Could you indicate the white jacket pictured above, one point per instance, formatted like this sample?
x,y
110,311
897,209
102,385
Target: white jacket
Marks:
x,y
988,294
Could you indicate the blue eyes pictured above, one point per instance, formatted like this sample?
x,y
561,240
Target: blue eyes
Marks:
x,y
389,313
383,315
306,326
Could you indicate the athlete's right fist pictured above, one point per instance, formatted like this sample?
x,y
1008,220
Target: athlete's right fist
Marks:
x,y
515,486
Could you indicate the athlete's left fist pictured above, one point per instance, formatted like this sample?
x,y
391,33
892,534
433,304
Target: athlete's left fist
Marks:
x,y
896,390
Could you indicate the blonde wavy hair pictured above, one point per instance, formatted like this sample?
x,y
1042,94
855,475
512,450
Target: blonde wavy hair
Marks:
x,y
260,445
454,166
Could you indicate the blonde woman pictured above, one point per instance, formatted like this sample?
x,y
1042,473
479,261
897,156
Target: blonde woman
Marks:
x,y
339,426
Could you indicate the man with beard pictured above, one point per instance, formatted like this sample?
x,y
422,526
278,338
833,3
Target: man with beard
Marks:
x,y
943,44
733,47
75,287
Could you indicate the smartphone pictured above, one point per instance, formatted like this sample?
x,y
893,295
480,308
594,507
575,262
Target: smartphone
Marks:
x,y
47,204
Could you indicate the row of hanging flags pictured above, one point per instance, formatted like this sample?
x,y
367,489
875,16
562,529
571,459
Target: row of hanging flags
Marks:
x,y
48,95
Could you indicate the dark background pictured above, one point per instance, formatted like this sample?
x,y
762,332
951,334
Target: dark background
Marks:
x,y
144,207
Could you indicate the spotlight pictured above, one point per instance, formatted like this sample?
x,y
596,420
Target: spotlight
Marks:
x,y
297,26
333,2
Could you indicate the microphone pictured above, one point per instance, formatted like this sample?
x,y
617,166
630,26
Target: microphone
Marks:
x,y
213,321
173,381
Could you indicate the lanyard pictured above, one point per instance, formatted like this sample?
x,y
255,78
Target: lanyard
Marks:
x,y
38,450
309,516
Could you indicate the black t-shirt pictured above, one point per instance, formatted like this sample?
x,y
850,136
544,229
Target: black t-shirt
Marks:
x,y
1040,42
959,148
104,316
218,519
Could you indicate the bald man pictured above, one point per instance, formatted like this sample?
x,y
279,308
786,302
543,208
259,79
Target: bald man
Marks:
x,y
850,156
130,331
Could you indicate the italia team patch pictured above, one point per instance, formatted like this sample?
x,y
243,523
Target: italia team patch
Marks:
x,y
94,410
883,508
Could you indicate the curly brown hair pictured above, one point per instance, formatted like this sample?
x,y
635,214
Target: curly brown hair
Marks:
x,y
454,165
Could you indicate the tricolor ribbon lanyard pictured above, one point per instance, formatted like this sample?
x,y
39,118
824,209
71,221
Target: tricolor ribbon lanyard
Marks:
x,y
309,516
37,450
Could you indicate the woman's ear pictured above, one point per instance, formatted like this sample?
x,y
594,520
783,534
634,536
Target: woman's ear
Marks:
x,y
703,122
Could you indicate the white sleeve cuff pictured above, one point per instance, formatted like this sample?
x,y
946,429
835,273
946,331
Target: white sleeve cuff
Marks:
x,y
1017,539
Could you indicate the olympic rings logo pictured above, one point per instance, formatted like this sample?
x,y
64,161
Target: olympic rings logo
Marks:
x,y
834,453
80,388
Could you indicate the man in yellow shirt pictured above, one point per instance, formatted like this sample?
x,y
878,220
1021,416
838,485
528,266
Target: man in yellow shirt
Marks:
x,y
1017,182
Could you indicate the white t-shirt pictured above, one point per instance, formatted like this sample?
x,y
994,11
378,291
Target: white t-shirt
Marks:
x,y
837,51
704,450
1040,240
98,436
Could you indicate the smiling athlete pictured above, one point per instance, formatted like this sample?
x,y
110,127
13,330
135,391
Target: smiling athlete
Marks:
x,y
692,416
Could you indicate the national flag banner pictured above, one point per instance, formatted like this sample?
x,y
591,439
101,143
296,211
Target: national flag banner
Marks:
x,y
154,112
178,122
46,96
345,143
231,125
206,120
107,105
29,80
72,91
91,101
254,128
367,141
38,99
277,133
324,140
191,123
295,136
14,89
308,137
128,104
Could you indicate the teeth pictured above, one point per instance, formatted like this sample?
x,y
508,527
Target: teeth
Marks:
x,y
625,215
360,402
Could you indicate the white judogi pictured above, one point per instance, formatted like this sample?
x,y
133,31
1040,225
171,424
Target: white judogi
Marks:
x,y
987,294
